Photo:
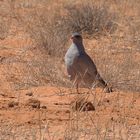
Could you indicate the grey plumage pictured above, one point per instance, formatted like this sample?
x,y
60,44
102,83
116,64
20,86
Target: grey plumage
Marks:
x,y
80,66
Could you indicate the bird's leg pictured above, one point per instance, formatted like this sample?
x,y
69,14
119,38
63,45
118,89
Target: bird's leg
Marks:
x,y
104,85
107,89
77,88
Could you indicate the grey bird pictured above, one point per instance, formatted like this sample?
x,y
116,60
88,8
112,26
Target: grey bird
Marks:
x,y
80,67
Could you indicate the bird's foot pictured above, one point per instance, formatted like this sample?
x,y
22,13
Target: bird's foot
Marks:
x,y
108,89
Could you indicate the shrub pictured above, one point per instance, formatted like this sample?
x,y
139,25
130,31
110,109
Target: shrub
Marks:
x,y
89,19
51,28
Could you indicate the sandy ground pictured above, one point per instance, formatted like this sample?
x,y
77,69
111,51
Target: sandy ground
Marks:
x,y
51,113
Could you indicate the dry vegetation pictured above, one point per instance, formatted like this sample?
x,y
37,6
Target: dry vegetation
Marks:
x,y
34,36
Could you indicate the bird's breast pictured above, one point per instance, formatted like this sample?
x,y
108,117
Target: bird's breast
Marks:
x,y
71,55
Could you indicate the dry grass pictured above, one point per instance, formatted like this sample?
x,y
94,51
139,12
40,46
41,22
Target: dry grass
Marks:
x,y
5,18
115,30
111,30
51,31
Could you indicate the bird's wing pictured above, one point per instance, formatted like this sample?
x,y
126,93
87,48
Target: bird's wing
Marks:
x,y
86,65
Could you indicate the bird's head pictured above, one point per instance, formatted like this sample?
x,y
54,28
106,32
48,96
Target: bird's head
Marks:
x,y
76,38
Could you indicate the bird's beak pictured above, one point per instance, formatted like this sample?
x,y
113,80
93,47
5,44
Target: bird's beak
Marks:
x,y
71,38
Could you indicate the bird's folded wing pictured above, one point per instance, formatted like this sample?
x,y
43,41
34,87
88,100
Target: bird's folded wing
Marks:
x,y
86,65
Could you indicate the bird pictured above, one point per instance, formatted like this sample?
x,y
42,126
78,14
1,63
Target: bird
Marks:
x,y
80,67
